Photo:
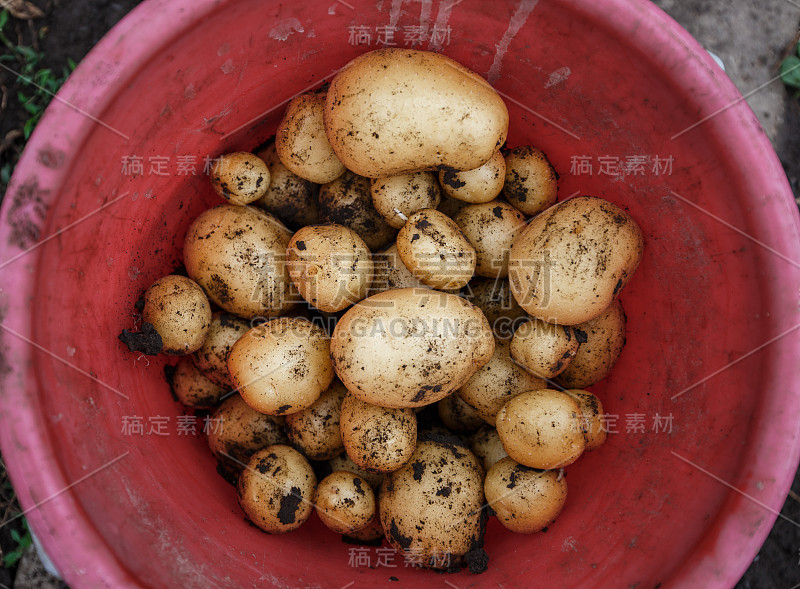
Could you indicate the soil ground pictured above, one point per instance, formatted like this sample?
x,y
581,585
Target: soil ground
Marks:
x,y
751,38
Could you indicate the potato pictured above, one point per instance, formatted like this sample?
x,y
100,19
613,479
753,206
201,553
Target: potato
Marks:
x,y
282,366
377,439
457,119
347,201
531,183
344,502
604,339
544,349
496,382
179,311
391,272
238,432
240,177
290,198
573,259
542,429
276,489
525,500
344,462
594,426
457,415
212,357
435,250
409,347
237,254
494,299
192,388
330,265
432,508
486,445
301,142
491,228
480,185
315,431
398,197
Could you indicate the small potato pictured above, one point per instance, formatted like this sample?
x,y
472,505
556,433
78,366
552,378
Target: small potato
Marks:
x,y
409,347
347,201
604,339
486,445
594,426
179,311
435,250
377,439
501,309
544,349
480,185
315,431
391,272
344,462
542,429
433,506
290,198
240,177
301,142
393,111
457,415
491,228
398,197
192,388
330,265
212,357
344,502
571,261
525,500
236,432
498,381
531,182
237,254
276,489
282,366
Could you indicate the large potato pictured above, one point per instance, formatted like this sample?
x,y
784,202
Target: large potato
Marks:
x,y
237,254
457,119
409,347
604,338
573,259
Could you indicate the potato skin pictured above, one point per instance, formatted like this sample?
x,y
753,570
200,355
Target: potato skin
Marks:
x,y
179,311
315,430
398,197
480,185
377,439
282,366
240,177
212,357
494,298
301,142
595,427
391,272
571,261
531,182
289,197
330,265
458,119
436,251
347,201
344,502
432,508
193,388
542,429
486,445
491,228
543,349
237,254
409,347
525,500
604,339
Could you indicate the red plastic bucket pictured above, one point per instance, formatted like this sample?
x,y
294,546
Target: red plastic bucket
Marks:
x,y
705,391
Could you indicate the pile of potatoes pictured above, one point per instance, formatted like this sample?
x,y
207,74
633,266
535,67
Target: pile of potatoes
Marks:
x,y
394,319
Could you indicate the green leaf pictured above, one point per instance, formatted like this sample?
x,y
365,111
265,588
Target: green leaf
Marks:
x,y
29,125
15,536
72,64
3,19
790,71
